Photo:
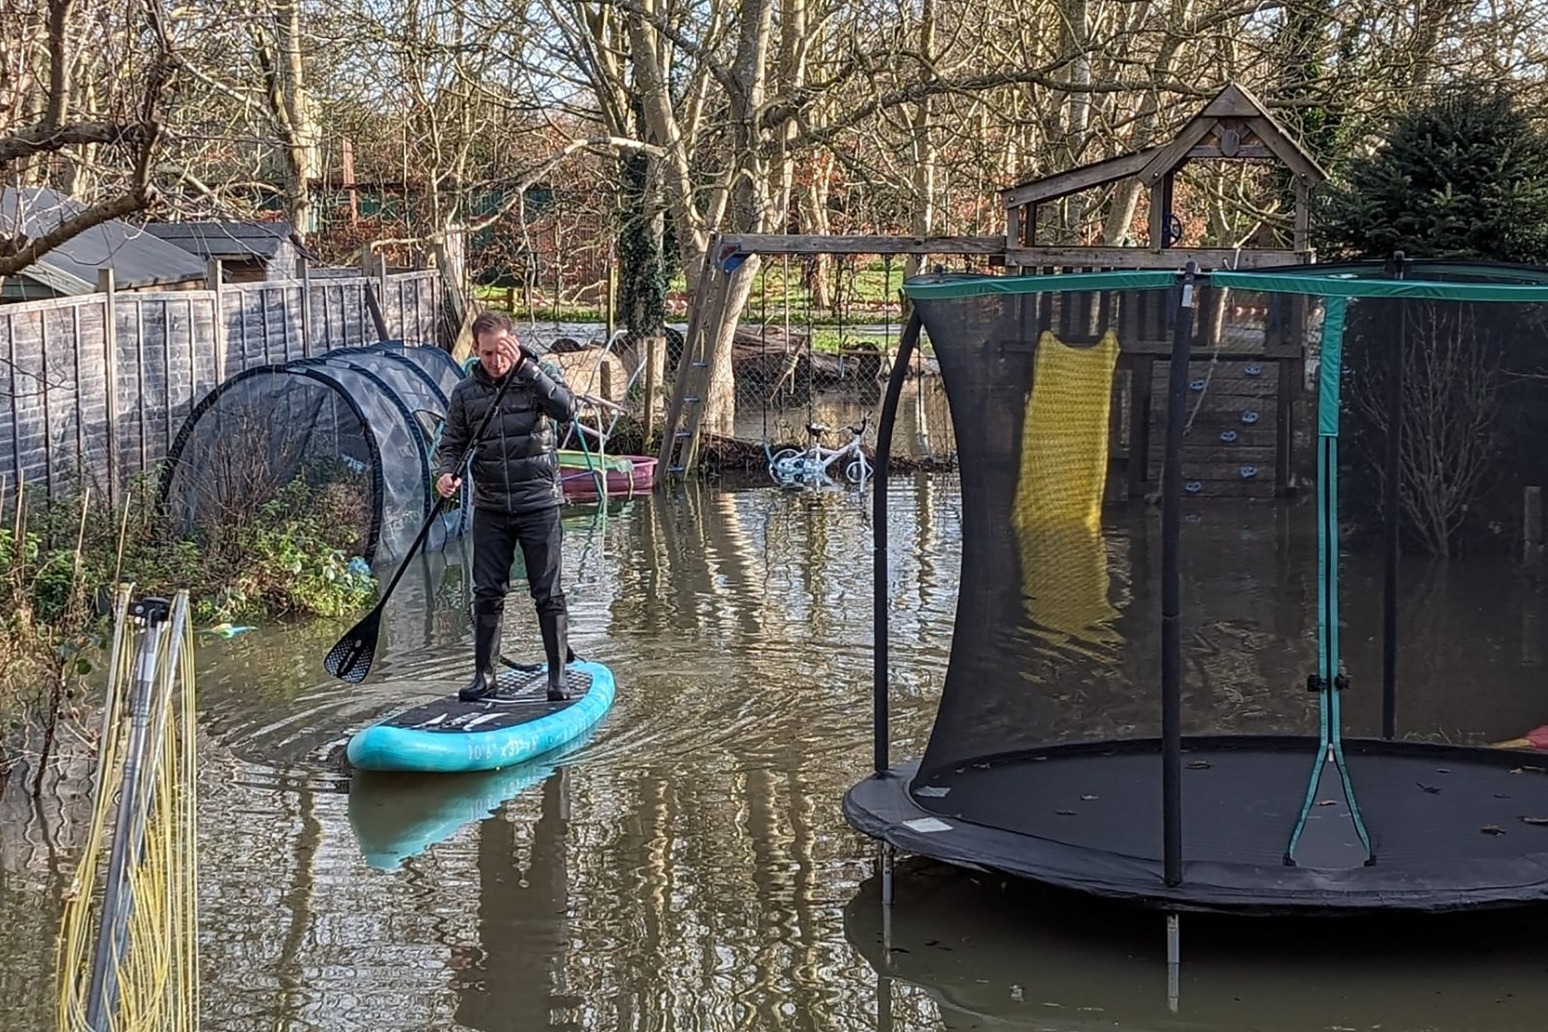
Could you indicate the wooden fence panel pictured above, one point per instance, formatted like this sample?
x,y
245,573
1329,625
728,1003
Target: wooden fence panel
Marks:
x,y
57,404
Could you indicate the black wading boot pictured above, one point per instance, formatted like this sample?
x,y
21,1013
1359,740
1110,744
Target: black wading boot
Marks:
x,y
556,649
486,637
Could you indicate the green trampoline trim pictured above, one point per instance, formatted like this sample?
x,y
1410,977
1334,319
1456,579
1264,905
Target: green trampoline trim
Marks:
x,y
938,289
1345,281
1355,287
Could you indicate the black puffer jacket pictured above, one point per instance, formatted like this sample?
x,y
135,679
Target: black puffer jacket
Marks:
x,y
516,466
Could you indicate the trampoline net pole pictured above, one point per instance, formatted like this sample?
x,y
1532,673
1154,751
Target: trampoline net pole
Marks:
x,y
1392,500
880,607
1171,591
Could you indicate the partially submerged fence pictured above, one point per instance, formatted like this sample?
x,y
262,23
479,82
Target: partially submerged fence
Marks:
x,y
93,389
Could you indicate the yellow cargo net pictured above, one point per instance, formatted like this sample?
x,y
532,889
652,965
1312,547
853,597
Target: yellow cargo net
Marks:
x,y
127,957
1058,508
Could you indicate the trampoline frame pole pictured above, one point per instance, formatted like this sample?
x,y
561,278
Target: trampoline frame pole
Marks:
x,y
879,606
1171,577
1392,501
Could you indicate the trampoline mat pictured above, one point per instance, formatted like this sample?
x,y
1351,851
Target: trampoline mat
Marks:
x,y
1448,826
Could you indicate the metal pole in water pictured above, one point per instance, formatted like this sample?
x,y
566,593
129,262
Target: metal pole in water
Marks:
x,y
1173,961
113,930
1171,590
887,853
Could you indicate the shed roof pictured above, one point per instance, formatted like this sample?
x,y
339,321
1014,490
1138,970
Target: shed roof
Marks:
x,y
226,239
136,258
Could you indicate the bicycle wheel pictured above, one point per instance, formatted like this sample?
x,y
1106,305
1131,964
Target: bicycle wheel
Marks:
x,y
857,471
785,465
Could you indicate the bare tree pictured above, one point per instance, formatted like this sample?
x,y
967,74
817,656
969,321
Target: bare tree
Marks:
x,y
105,131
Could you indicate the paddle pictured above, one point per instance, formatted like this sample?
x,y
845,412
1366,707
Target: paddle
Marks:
x,y
350,658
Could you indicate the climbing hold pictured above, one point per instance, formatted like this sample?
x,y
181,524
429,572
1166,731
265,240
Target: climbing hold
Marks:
x,y
1248,472
1249,417
1193,487
1252,369
1228,436
1197,385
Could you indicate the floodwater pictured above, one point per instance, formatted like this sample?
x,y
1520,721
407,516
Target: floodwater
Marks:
x,y
687,866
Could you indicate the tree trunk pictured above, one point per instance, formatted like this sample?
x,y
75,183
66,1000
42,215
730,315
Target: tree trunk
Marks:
x,y
749,208
291,108
814,219
642,277
923,145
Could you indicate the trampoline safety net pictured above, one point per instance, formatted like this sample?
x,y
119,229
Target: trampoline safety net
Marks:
x,y
1358,448
362,422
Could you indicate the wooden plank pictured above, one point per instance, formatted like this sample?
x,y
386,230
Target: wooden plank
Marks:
x,y
1306,170
1302,215
1213,151
107,287
1218,396
1175,154
1154,258
1211,423
1233,368
1214,490
1208,452
1062,184
792,243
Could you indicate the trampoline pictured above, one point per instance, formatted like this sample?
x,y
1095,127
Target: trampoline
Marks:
x,y
1092,742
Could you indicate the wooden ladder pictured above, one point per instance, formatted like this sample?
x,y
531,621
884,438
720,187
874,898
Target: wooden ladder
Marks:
x,y
680,433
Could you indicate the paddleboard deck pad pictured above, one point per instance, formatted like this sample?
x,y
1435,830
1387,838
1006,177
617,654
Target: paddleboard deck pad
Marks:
x,y
515,724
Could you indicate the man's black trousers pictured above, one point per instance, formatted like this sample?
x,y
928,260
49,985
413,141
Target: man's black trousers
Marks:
x,y
495,538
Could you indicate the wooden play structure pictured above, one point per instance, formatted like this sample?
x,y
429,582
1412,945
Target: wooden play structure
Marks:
x,y
1249,352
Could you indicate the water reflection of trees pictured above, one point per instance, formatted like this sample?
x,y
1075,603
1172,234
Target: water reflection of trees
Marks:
x,y
694,879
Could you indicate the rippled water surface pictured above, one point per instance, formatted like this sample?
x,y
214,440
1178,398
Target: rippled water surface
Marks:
x,y
687,867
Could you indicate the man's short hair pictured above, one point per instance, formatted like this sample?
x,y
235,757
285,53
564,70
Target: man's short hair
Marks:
x,y
492,322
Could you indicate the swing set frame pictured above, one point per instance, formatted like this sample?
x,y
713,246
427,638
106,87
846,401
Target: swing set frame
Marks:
x,y
682,428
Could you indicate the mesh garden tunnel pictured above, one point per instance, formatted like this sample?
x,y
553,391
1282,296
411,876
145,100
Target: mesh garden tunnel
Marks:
x,y
360,422
1299,687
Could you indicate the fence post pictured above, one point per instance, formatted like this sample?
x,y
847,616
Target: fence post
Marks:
x,y
212,277
107,288
381,295
304,273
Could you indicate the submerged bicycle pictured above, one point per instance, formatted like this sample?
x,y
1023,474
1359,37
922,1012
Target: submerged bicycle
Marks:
x,y
790,467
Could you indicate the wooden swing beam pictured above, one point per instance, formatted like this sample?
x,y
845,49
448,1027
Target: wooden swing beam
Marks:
x,y
819,243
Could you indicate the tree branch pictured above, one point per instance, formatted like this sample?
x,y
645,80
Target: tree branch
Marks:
x,y
722,74
43,138
19,252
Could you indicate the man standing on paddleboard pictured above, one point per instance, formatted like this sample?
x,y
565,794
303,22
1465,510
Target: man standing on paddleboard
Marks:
x,y
516,491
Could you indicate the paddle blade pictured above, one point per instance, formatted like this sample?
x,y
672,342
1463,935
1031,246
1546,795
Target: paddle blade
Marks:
x,y
350,658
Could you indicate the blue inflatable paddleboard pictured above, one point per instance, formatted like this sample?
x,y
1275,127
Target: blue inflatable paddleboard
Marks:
x,y
514,725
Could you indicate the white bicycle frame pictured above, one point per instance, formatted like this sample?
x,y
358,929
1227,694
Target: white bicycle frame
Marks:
x,y
790,466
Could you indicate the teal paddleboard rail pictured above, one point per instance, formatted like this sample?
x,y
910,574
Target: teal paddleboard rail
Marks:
x,y
382,747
